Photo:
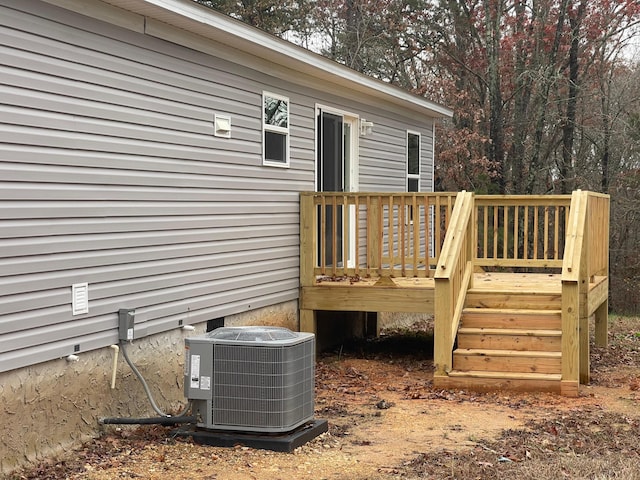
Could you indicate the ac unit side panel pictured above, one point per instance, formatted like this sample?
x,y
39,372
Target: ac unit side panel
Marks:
x,y
198,369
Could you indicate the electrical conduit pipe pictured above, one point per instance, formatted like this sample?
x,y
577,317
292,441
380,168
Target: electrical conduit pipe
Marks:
x,y
116,350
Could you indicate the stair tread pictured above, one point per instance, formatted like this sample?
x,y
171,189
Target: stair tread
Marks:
x,y
520,311
515,290
510,331
507,353
506,375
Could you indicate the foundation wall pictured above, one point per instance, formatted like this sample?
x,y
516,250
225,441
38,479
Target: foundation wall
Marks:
x,y
52,407
401,320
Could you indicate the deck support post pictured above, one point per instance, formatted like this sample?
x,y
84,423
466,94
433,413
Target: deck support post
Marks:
x,y
602,324
442,355
585,363
570,339
308,321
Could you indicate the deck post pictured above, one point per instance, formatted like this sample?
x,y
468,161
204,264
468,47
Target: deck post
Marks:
x,y
308,321
574,290
601,327
442,357
308,249
570,339
602,312
584,349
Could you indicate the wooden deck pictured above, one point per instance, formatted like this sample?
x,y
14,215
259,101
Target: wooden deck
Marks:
x,y
455,256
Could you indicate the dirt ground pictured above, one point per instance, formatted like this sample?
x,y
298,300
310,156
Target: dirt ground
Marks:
x,y
387,421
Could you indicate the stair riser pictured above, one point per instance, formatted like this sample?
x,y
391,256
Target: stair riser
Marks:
x,y
481,319
488,363
491,384
509,342
524,301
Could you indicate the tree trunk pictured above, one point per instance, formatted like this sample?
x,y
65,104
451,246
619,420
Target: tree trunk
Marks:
x,y
522,85
542,99
567,173
493,12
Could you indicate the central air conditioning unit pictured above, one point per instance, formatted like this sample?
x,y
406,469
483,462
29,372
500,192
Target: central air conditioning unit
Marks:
x,y
251,379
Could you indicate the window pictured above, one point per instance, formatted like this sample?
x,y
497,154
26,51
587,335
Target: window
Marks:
x,y
413,162
275,123
413,166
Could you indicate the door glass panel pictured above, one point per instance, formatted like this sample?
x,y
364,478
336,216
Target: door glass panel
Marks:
x,y
331,170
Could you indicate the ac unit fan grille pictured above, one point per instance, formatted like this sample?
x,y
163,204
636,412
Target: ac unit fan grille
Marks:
x,y
263,386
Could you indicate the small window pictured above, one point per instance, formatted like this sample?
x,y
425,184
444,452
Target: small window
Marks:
x,y
413,166
413,162
275,130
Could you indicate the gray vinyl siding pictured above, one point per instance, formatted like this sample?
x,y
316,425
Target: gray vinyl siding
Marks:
x,y
383,157
110,174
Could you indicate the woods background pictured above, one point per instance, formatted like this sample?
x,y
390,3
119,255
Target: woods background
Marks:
x,y
545,93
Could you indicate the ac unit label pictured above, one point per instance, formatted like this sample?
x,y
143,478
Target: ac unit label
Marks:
x,y
195,371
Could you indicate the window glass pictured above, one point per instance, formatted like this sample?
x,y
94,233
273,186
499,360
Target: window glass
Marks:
x,y
413,162
276,111
413,154
275,147
275,124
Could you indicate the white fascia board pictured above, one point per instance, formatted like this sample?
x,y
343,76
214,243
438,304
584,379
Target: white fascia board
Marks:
x,y
193,18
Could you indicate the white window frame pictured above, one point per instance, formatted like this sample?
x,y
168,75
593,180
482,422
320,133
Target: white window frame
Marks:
x,y
414,176
275,129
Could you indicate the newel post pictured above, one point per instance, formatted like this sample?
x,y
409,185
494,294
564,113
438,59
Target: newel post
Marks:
x,y
442,356
574,274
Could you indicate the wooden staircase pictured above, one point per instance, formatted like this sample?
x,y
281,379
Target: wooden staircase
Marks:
x,y
510,340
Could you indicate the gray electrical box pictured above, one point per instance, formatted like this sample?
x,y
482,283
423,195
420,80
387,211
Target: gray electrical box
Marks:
x,y
258,379
126,322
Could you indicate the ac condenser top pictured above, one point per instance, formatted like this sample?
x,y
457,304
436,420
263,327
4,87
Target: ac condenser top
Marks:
x,y
257,379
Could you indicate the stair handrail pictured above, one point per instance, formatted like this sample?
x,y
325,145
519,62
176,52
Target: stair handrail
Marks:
x,y
452,278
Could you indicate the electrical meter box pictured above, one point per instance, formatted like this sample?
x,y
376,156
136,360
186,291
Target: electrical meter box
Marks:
x,y
258,379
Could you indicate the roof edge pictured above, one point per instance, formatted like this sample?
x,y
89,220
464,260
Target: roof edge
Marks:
x,y
192,17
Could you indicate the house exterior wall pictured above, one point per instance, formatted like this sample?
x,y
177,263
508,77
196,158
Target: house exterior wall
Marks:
x,y
110,174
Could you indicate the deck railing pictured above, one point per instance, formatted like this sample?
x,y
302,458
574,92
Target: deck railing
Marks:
x,y
401,234
423,235
452,278
373,234
521,231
